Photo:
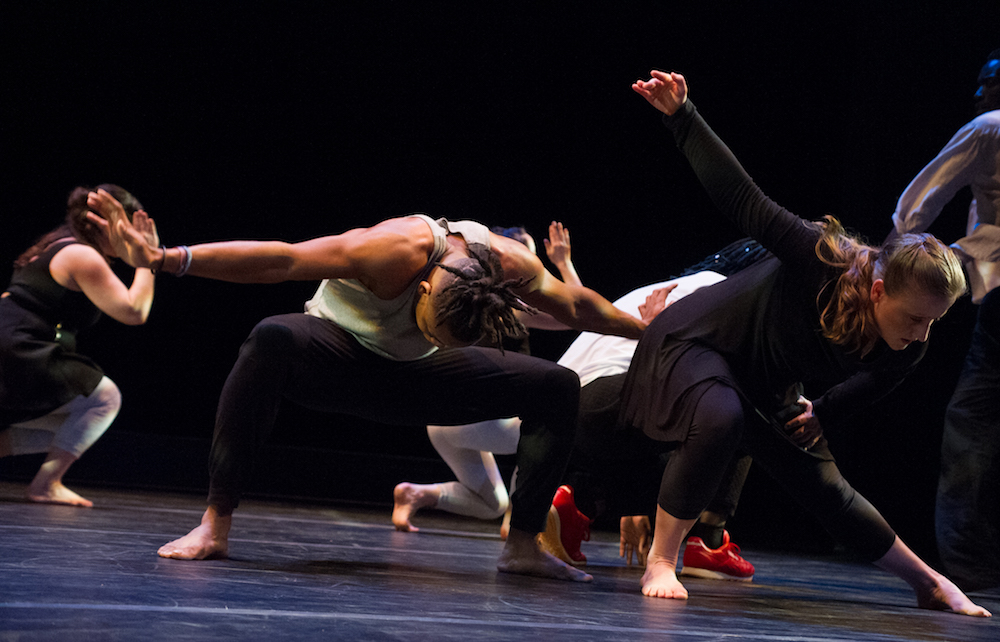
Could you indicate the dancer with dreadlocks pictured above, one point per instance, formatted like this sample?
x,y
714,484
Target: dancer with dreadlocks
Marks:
x,y
370,344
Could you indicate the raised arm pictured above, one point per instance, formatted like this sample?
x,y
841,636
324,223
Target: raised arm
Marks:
x,y
81,268
667,91
84,269
727,183
557,248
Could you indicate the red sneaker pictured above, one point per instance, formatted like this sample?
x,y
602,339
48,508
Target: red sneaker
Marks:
x,y
723,563
565,528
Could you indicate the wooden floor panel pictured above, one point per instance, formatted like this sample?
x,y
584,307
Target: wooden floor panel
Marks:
x,y
306,572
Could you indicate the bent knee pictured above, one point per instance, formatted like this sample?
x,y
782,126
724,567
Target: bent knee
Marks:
x,y
718,417
501,507
496,502
270,337
564,387
107,396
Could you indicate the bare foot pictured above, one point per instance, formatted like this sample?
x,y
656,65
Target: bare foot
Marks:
x,y
208,540
55,493
407,499
934,591
660,580
505,524
948,597
522,556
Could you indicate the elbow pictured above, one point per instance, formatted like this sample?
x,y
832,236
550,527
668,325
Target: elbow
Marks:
x,y
135,319
135,316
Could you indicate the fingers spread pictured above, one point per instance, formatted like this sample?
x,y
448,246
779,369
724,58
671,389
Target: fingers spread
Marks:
x,y
94,219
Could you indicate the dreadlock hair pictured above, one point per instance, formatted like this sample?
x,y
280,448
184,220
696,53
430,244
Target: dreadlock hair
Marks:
x,y
76,224
909,262
479,302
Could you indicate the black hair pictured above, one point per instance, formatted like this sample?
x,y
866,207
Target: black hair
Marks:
x,y
479,302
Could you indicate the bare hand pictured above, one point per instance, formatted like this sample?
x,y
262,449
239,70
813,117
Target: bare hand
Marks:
x,y
135,242
655,303
635,539
665,91
145,225
557,245
804,430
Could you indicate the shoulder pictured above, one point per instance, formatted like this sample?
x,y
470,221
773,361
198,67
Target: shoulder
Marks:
x,y
407,235
414,228
78,262
81,254
516,259
990,118
983,127
386,256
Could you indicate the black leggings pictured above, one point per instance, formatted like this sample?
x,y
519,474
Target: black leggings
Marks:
x,y
720,423
618,471
315,363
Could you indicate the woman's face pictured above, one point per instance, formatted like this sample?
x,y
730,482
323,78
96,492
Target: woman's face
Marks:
x,y
906,316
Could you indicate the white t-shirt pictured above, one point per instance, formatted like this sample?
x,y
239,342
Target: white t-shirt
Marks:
x,y
601,355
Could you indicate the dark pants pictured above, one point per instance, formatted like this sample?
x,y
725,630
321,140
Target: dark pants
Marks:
x,y
812,478
967,514
314,363
619,471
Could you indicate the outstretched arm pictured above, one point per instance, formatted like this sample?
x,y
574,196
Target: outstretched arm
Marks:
x,y
576,306
385,257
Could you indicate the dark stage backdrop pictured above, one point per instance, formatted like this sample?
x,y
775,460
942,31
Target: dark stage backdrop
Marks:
x,y
297,119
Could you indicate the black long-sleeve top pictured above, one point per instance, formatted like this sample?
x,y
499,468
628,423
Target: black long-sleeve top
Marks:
x,y
765,320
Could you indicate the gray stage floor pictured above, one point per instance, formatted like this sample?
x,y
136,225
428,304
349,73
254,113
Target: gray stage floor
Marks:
x,y
301,572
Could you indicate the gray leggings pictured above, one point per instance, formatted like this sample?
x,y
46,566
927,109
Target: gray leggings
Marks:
x,y
73,427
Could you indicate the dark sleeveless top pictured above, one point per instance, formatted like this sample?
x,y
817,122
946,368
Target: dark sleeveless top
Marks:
x,y
40,368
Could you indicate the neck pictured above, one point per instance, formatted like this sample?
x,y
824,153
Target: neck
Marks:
x,y
457,249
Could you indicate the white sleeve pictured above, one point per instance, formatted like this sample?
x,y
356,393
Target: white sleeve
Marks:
x,y
937,183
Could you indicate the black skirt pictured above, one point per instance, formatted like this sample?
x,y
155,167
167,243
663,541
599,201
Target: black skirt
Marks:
x,y
664,385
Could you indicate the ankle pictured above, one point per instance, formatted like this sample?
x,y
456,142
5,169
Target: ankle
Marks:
x,y
654,559
710,534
